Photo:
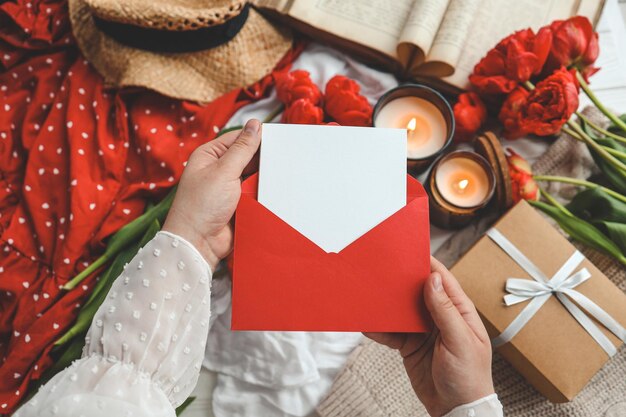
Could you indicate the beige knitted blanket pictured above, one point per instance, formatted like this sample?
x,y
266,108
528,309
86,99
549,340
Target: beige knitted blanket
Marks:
x,y
374,383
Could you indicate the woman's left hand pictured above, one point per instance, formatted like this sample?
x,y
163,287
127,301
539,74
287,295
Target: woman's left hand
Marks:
x,y
209,191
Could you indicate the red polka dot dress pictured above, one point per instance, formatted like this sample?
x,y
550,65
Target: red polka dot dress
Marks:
x,y
77,162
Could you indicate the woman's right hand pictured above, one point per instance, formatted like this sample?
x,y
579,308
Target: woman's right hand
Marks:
x,y
452,365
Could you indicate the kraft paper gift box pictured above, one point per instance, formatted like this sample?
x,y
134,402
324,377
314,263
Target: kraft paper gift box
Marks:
x,y
553,351
283,281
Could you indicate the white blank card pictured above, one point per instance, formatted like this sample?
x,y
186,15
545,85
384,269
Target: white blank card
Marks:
x,y
332,183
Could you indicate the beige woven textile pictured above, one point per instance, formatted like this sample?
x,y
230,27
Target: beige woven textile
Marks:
x,y
374,383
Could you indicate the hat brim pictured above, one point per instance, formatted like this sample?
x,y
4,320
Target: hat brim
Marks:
x,y
198,76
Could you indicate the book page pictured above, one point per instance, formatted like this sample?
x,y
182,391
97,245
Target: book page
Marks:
x,y
489,28
447,46
591,9
420,30
375,24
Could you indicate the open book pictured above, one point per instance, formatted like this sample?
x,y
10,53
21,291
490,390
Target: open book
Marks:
x,y
437,39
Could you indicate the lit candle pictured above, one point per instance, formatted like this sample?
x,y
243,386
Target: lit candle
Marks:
x,y
426,116
462,182
460,186
425,125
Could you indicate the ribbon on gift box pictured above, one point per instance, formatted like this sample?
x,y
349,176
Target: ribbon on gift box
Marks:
x,y
562,286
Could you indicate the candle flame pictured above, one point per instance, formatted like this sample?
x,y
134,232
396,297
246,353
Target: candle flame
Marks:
x,y
463,184
411,125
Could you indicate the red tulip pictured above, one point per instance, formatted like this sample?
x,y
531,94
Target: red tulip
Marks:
x,y
574,45
550,104
296,85
344,103
303,112
469,113
522,183
513,61
511,111
341,83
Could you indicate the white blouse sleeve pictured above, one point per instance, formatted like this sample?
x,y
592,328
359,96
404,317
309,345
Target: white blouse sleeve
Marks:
x,y
488,406
144,349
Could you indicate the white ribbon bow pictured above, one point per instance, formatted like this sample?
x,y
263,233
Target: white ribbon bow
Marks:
x,y
562,285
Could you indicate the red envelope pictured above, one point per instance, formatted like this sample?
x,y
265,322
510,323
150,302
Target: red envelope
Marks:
x,y
283,281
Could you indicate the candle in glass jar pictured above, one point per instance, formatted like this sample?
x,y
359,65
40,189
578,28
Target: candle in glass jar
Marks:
x,y
426,127
462,182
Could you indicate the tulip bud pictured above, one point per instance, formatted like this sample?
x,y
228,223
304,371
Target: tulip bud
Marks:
x,y
297,85
523,185
303,111
344,104
470,114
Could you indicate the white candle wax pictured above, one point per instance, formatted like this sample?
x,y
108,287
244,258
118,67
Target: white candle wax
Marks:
x,y
462,182
425,124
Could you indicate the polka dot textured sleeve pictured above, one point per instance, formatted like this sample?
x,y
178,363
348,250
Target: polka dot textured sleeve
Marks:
x,y
488,406
144,349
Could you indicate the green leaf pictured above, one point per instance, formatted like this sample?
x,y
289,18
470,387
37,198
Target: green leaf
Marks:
x,y
615,231
604,211
582,231
73,352
613,175
616,129
595,204
184,405
100,291
593,134
612,143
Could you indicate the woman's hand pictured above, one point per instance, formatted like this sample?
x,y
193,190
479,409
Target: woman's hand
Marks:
x,y
209,191
452,365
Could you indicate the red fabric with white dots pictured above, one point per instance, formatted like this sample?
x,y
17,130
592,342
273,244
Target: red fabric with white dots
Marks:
x,y
77,162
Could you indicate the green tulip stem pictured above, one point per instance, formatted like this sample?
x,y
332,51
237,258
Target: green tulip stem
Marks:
x,y
554,202
583,84
600,129
572,133
612,151
106,256
615,152
278,110
616,163
583,183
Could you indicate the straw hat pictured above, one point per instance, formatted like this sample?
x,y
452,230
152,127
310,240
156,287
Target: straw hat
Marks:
x,y
187,49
